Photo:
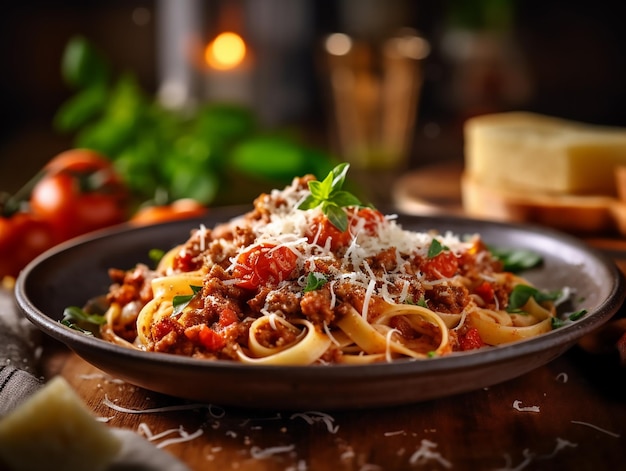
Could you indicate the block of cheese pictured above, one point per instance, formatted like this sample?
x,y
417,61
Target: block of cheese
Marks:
x,y
534,152
54,430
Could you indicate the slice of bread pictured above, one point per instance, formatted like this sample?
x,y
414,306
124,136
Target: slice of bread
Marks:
x,y
537,153
571,213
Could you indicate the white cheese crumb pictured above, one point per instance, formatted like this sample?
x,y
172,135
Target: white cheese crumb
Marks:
x,y
517,405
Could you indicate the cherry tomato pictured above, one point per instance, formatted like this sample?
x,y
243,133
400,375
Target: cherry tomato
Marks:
x,y
470,340
180,209
23,236
444,264
78,193
370,218
264,264
485,291
77,160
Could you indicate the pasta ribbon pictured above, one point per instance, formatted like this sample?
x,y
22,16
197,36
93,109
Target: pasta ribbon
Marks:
x,y
164,290
113,321
309,346
499,327
373,338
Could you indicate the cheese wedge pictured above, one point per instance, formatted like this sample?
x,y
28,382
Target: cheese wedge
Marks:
x,y
53,430
533,152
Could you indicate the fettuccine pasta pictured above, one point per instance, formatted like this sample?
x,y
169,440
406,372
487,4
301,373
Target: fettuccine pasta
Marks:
x,y
284,286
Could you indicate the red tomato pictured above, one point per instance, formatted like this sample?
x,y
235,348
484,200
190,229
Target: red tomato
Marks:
x,y
227,317
78,193
210,339
22,237
444,264
370,218
180,209
76,160
470,340
485,291
264,264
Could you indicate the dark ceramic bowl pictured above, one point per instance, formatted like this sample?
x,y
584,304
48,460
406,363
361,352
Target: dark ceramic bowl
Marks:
x,y
77,271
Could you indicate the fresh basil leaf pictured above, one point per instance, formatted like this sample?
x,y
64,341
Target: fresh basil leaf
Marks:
x,y
318,190
328,195
74,313
180,302
78,319
422,302
339,175
516,260
345,198
436,248
74,326
522,293
574,316
314,281
309,202
557,323
336,215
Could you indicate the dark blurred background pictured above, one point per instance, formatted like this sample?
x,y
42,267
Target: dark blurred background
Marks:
x,y
567,60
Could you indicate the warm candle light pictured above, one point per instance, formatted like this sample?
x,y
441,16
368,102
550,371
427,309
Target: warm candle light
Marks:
x,y
226,51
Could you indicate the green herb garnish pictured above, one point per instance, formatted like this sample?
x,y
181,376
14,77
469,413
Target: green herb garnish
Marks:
x,y
420,302
314,281
522,293
574,316
331,198
556,323
516,260
436,248
180,302
78,319
156,255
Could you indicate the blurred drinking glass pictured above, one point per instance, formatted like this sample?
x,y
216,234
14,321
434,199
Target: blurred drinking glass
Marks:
x,y
374,91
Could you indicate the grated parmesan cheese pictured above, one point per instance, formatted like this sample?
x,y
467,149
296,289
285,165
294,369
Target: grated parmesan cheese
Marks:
x,y
517,406
183,435
425,453
290,227
612,434
312,417
221,412
262,453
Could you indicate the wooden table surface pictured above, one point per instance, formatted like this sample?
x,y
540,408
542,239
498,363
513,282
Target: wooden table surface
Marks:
x,y
568,414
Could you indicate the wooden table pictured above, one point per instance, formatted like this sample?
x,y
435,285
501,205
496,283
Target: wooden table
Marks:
x,y
569,414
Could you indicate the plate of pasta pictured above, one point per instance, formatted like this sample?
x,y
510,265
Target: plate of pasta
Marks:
x,y
310,299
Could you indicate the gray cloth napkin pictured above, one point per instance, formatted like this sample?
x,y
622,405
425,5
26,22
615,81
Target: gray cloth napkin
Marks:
x,y
19,347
